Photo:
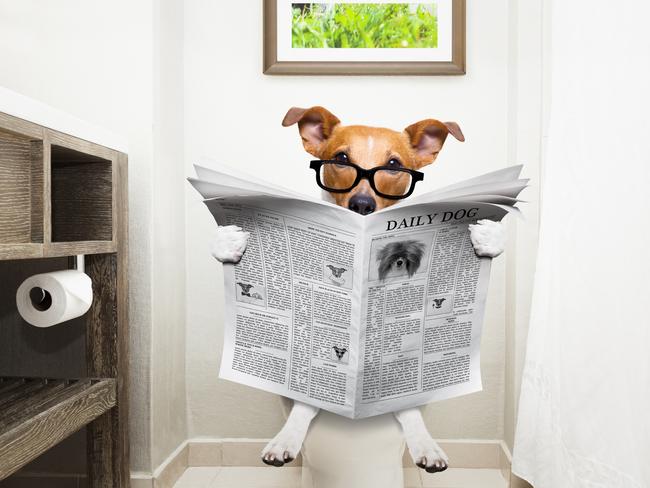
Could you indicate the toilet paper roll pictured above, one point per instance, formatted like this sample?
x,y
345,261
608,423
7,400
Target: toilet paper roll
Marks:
x,y
48,299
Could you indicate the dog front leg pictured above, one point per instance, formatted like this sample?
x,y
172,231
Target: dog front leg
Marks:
x,y
425,452
488,238
286,445
228,243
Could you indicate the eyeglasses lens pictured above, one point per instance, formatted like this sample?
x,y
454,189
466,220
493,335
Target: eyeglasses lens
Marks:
x,y
337,176
393,183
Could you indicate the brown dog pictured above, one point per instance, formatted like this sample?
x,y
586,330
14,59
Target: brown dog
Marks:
x,y
326,138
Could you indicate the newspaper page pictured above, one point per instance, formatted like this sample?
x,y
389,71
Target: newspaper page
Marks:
x,y
422,306
356,315
292,302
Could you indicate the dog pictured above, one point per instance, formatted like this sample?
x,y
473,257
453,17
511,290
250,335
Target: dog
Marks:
x,y
400,259
437,302
246,292
336,275
339,351
336,272
324,137
245,289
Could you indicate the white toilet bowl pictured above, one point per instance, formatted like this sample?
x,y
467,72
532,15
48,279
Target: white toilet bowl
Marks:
x,y
343,453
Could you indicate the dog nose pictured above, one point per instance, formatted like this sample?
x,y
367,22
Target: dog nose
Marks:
x,y
362,204
399,262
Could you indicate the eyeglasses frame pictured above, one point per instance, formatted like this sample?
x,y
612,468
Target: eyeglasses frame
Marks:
x,y
368,174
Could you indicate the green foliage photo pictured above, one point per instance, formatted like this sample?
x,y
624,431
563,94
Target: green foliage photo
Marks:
x,y
364,25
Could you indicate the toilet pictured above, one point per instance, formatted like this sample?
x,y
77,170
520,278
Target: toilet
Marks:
x,y
339,452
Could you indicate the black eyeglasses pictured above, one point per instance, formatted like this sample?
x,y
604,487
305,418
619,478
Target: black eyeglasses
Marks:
x,y
387,182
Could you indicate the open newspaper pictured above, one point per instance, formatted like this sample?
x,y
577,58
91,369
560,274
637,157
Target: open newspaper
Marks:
x,y
358,315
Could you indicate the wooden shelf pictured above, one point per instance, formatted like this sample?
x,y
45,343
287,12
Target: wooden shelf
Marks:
x,y
55,249
21,251
36,414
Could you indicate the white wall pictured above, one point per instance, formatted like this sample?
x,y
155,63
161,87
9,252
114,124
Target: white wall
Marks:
x,y
95,60
168,414
233,114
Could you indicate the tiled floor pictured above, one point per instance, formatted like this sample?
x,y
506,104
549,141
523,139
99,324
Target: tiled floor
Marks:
x,y
290,478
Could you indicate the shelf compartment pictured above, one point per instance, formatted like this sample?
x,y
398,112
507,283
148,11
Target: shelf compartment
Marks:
x,y
81,196
36,414
21,189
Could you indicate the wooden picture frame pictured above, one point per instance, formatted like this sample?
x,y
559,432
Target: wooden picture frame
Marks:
x,y
275,66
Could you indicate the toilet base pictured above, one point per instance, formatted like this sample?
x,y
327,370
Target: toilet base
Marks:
x,y
341,453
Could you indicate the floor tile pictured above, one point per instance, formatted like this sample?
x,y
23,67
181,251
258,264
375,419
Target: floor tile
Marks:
x,y
197,477
237,477
254,477
412,477
242,454
464,478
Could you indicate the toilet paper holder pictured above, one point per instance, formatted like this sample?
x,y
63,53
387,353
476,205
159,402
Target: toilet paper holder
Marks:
x,y
41,299
79,263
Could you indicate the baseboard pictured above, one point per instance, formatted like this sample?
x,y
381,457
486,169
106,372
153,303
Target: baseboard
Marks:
x,y
141,480
505,463
209,452
464,453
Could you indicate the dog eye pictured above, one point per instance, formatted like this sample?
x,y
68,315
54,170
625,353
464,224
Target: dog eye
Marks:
x,y
342,157
394,163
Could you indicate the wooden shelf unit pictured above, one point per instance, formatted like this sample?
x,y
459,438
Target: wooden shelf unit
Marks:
x,y
39,413
61,196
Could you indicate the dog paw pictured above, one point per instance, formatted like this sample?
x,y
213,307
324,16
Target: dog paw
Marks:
x,y
427,454
283,448
488,238
228,243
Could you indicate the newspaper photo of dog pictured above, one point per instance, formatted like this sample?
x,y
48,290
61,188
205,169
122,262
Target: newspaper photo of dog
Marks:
x,y
440,304
394,258
249,293
400,259
340,354
335,274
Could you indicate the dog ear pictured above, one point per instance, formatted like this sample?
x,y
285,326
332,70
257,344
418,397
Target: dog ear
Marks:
x,y
428,136
315,125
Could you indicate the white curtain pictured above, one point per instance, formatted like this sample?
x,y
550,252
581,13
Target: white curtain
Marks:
x,y
584,411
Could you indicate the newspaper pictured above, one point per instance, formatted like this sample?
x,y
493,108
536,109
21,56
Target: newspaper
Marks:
x,y
358,315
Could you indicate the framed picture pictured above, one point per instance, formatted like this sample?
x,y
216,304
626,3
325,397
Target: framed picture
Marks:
x,y
364,37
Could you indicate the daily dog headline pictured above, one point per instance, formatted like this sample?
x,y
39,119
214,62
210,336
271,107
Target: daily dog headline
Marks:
x,y
429,219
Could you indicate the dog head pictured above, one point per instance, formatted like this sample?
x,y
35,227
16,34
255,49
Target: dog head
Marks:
x,y
245,288
337,272
324,137
437,302
339,351
400,258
